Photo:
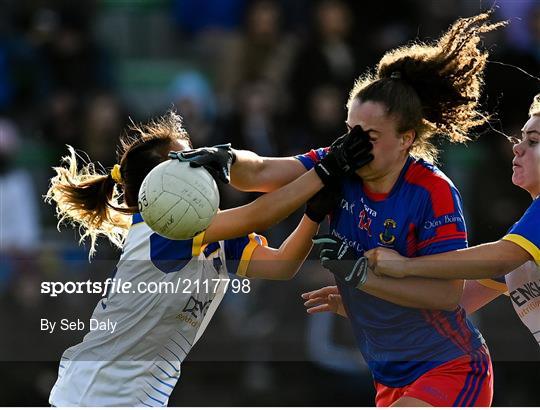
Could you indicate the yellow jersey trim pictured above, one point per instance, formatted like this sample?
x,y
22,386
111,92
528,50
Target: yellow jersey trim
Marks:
x,y
197,246
248,252
493,284
525,244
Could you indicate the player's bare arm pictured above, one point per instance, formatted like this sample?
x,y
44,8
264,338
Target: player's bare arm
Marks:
x,y
418,293
264,212
245,170
488,260
283,263
475,296
251,172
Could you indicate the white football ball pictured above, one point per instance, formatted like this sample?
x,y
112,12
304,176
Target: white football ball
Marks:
x,y
178,201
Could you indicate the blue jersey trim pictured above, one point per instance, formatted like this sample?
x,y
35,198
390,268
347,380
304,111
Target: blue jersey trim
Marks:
x,y
159,391
137,218
162,382
169,255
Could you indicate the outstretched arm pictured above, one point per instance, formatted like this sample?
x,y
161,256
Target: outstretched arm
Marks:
x,y
264,212
484,261
250,172
418,293
415,293
283,263
476,296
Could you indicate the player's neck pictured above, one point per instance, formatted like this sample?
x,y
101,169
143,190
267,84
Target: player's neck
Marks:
x,y
383,183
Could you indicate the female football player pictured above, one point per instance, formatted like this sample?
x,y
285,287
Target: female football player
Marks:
x,y
417,341
518,252
138,363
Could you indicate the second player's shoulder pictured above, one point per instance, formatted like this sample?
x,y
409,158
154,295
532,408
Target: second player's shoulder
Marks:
x,y
428,181
427,175
534,208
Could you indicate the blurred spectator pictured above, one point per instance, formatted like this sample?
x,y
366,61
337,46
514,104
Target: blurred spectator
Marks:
x,y
263,52
523,16
254,125
22,84
330,57
72,60
195,16
104,120
325,122
19,224
62,121
192,97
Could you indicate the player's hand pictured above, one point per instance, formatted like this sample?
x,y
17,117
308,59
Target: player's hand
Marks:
x,y
387,262
342,260
217,160
326,299
322,203
347,154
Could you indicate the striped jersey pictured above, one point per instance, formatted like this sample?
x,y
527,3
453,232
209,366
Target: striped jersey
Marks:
x,y
421,215
139,363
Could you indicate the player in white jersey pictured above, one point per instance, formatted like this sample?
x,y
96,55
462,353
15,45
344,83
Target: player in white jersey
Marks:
x,y
518,252
138,364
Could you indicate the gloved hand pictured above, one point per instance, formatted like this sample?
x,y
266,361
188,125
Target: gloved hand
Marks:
x,y
217,160
342,260
322,203
347,154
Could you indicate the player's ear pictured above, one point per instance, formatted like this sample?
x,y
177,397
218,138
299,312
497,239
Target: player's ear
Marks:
x,y
407,138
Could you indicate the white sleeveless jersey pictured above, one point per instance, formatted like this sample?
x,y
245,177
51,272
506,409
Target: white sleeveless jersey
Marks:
x,y
522,285
524,290
139,363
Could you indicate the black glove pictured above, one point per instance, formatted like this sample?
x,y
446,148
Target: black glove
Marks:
x,y
322,203
217,160
342,260
347,154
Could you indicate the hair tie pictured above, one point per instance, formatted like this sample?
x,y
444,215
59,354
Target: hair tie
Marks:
x,y
116,174
396,75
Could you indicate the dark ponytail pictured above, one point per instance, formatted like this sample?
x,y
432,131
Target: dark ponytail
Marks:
x,y
433,88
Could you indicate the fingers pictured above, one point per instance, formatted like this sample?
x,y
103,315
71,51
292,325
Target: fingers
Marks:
x,y
320,292
331,304
339,140
315,301
223,146
335,298
321,308
188,155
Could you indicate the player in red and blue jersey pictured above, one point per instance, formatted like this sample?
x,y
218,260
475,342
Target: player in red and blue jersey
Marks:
x,y
511,264
401,344
420,347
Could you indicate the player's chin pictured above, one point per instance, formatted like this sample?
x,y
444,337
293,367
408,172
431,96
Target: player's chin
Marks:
x,y
365,171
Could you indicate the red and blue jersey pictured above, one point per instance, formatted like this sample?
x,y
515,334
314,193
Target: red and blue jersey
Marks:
x,y
421,215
